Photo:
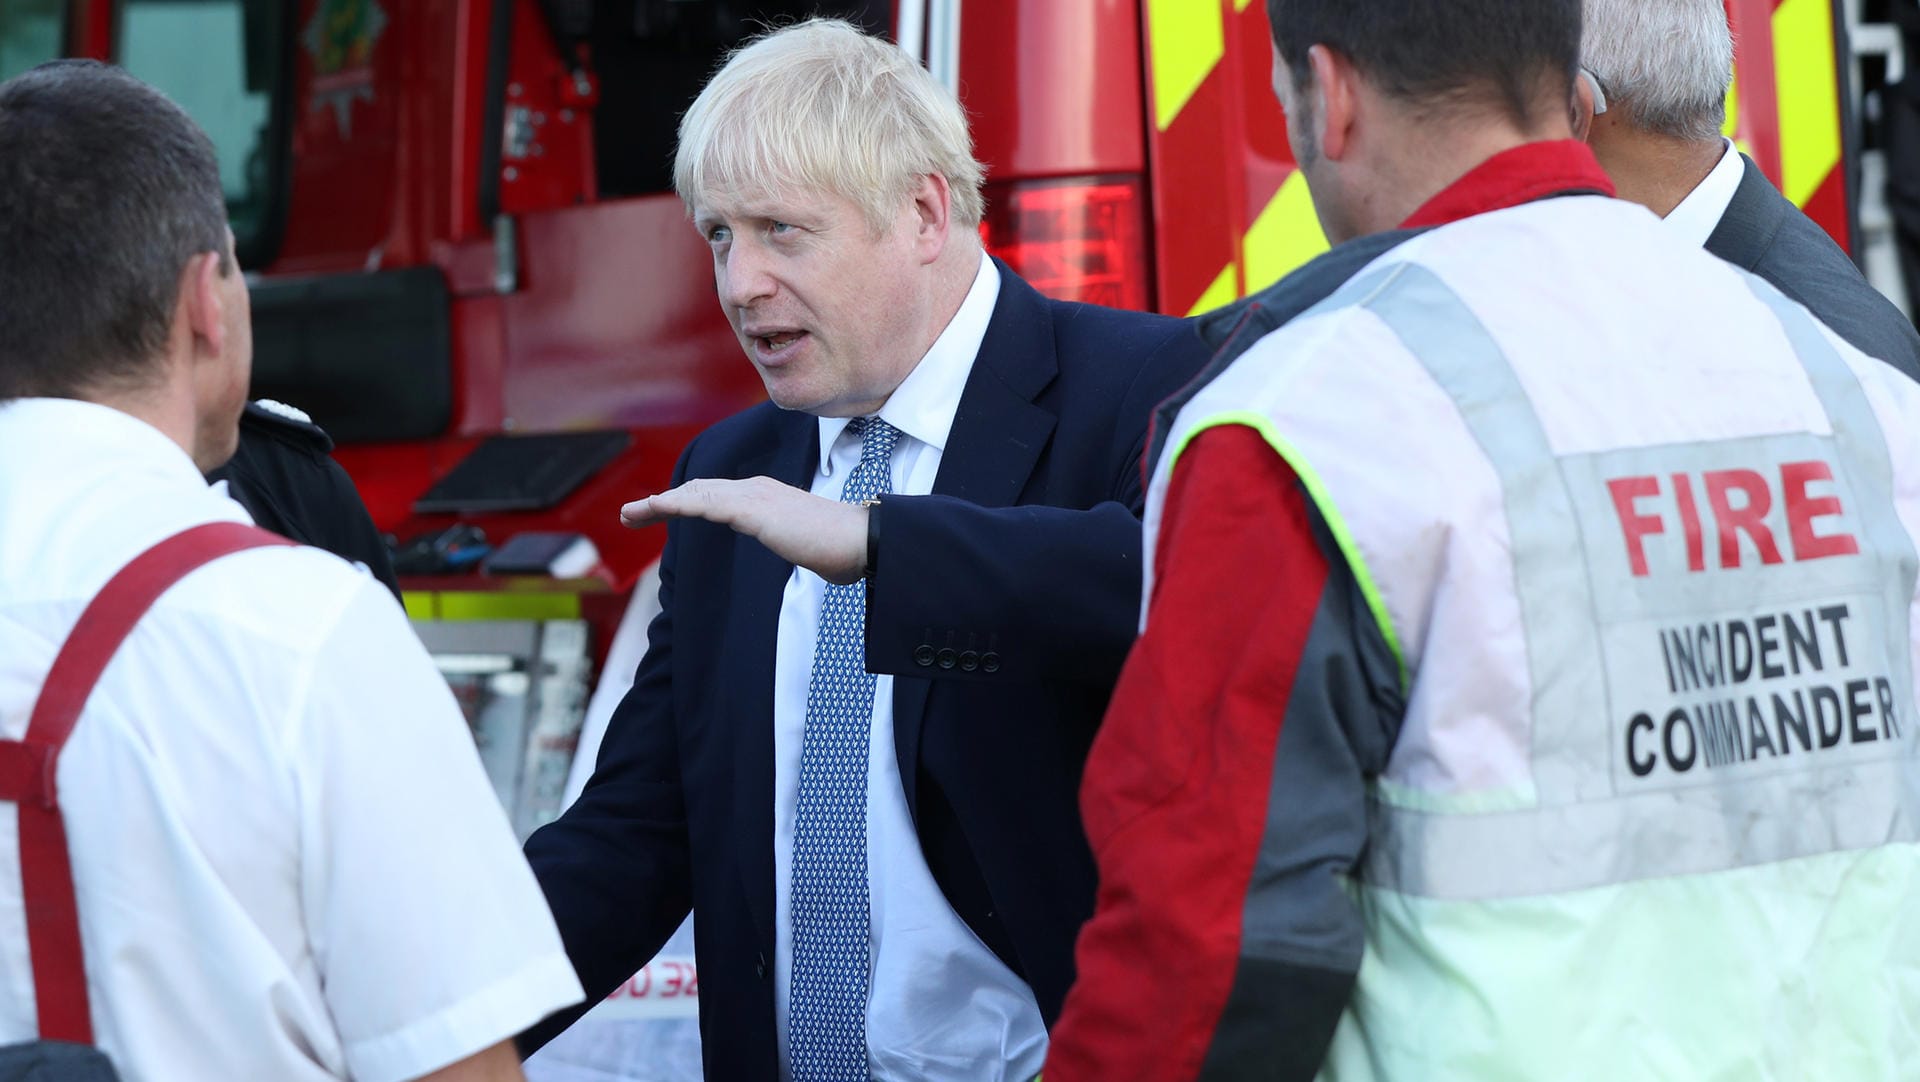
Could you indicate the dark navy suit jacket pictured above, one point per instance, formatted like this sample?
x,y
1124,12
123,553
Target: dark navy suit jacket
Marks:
x,y
1021,572
1765,233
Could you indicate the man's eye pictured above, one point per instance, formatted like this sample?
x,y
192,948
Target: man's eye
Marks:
x,y
719,234
779,227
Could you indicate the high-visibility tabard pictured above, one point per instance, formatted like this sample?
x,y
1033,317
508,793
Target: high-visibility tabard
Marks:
x,y
1641,539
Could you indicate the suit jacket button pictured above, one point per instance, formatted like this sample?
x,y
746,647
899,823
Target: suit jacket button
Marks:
x,y
923,657
949,658
990,662
760,967
969,660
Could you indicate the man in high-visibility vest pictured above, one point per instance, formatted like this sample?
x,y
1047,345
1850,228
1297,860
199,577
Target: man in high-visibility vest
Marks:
x,y
1653,110
1526,684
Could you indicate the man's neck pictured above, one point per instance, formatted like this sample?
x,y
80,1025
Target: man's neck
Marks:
x,y
1444,155
168,408
1655,171
953,280
960,268
954,275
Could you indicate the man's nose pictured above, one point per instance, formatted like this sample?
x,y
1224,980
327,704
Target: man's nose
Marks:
x,y
745,277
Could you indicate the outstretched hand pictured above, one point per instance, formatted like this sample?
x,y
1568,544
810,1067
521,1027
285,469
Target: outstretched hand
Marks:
x,y
824,536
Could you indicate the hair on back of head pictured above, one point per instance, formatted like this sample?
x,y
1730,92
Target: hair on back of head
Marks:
x,y
1666,65
107,190
1516,56
822,106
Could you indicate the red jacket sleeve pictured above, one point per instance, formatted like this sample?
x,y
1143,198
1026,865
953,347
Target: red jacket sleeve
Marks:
x,y
1225,795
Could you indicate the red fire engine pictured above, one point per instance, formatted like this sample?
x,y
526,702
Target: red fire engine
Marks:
x,y
470,269
459,215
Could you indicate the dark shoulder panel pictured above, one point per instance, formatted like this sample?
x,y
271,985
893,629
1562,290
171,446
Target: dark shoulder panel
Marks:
x,y
1251,318
1230,331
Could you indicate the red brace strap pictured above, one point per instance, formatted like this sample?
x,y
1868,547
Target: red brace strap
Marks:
x,y
28,765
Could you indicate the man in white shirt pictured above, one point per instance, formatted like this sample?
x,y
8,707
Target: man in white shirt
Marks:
x,y
1653,108
288,863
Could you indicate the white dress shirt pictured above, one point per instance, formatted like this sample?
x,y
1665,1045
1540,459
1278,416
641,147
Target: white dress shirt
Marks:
x,y
942,1007
288,862
1699,214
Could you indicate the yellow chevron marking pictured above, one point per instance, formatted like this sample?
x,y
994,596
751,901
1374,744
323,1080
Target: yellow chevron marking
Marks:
x,y
1240,5
1809,93
1187,39
1285,236
1733,106
1222,291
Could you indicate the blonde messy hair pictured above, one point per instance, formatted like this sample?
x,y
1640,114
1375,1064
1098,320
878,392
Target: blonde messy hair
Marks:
x,y
820,105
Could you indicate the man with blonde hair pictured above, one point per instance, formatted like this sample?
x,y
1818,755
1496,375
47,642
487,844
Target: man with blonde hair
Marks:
x,y
894,601
1653,106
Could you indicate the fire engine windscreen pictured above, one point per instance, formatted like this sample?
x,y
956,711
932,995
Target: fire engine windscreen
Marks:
x,y
653,56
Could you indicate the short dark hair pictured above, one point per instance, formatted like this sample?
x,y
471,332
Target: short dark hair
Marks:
x,y
107,190
1506,53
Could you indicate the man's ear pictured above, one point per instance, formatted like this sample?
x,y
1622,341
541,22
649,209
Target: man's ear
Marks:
x,y
1338,83
205,301
932,216
1582,108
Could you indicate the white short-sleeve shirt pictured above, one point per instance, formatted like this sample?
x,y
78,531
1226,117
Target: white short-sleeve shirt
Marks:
x,y
289,863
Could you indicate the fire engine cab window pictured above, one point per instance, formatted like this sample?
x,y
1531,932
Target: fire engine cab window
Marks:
x,y
653,56
216,58
29,33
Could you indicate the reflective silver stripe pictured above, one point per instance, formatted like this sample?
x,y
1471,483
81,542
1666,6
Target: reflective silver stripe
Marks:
x,y
1856,430
1587,830
1570,745
1571,847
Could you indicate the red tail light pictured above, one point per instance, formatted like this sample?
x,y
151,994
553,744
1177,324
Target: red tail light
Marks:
x,y
1074,240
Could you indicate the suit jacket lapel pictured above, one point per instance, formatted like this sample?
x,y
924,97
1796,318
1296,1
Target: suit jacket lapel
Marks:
x,y
997,438
759,580
1751,222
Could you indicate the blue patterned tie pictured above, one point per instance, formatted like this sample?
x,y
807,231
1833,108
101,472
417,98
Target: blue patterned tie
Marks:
x,y
827,1013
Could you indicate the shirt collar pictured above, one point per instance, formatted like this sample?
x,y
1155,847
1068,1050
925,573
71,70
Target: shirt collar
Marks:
x,y
1512,177
924,404
1699,214
71,431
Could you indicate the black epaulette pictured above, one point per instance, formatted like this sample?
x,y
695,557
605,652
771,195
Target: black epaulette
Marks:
x,y
288,425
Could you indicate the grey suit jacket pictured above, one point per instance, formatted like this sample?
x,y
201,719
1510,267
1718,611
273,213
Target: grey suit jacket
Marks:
x,y
1764,233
